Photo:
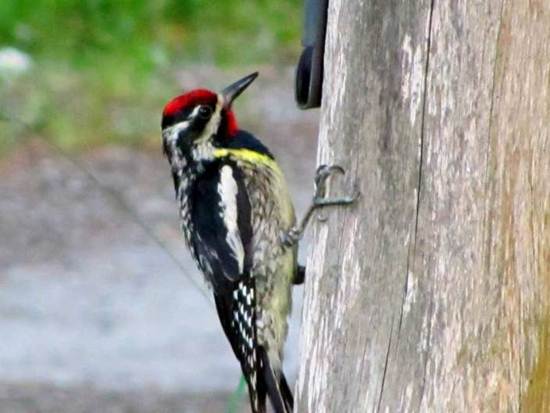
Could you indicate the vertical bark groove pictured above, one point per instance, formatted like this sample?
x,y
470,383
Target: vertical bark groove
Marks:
x,y
441,112
385,369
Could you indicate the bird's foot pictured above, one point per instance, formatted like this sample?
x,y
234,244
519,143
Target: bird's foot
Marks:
x,y
320,200
321,176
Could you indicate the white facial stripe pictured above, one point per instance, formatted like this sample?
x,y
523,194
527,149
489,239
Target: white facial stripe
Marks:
x,y
202,148
195,111
174,130
213,123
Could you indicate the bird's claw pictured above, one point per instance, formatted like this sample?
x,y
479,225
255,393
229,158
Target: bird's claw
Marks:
x,y
293,235
322,173
319,200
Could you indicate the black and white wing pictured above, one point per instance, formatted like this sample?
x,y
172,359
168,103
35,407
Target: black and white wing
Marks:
x,y
221,218
222,246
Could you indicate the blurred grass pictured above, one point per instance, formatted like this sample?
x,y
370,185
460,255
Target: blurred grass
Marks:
x,y
102,69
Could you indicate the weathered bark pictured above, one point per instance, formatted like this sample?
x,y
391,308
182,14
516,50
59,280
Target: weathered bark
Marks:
x,y
432,294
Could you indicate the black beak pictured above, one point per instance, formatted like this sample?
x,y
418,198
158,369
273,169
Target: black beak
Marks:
x,y
231,92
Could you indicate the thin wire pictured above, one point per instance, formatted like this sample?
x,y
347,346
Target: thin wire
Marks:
x,y
113,195
236,397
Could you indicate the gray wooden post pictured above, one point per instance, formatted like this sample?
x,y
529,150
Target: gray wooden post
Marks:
x,y
432,294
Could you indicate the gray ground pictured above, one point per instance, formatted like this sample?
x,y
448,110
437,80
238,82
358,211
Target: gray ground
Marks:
x,y
95,315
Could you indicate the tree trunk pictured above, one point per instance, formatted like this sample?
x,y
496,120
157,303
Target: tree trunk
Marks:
x,y
432,293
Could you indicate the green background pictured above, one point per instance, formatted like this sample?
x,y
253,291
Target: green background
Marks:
x,y
102,69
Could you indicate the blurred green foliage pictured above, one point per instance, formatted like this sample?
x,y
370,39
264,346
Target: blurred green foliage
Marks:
x,y
102,69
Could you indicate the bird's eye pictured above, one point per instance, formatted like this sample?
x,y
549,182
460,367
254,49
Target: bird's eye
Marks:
x,y
205,112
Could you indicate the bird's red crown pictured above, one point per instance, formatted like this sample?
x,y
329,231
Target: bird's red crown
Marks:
x,y
198,97
193,98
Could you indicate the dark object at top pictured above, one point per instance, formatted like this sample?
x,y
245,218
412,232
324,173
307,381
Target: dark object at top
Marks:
x,y
309,73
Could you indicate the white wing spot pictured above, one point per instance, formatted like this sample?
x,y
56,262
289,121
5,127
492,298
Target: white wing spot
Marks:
x,y
227,189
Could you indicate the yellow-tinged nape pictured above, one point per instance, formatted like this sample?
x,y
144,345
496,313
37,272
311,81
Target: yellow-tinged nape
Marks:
x,y
278,184
246,155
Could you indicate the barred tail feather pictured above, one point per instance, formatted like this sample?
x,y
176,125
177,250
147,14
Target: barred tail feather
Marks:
x,y
257,392
275,385
286,393
238,317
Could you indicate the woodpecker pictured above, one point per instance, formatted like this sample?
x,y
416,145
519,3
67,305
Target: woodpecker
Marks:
x,y
238,221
